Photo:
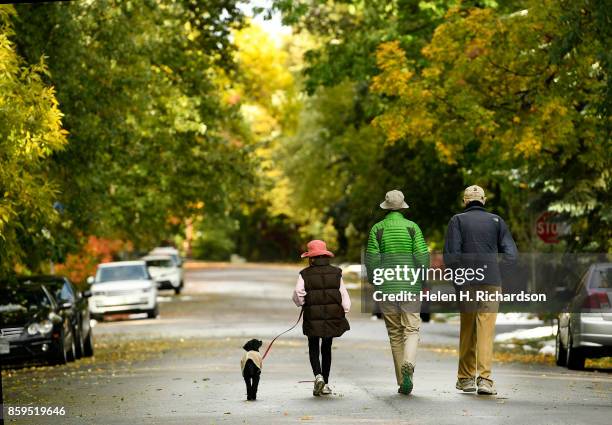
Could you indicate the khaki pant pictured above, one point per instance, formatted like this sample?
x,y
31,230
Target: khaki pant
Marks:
x,y
477,332
403,329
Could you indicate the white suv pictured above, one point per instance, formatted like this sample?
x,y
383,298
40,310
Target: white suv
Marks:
x,y
165,271
123,287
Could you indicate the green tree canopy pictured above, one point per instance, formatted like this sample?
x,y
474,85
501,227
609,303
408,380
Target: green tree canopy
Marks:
x,y
518,101
30,132
152,141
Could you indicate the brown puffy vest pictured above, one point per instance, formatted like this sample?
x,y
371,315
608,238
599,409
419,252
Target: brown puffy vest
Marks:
x,y
323,312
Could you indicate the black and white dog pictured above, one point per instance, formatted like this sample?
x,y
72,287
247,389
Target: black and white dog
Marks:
x,y
251,367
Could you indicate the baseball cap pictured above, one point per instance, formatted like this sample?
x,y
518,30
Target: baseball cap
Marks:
x,y
474,193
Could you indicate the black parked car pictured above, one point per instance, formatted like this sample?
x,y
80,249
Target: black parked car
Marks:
x,y
33,326
76,306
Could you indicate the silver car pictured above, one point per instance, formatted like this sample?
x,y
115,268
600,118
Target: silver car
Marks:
x,y
585,330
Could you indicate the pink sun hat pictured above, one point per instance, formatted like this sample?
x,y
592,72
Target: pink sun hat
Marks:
x,y
316,248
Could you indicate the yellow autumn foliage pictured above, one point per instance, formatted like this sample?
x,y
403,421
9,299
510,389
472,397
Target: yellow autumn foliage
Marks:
x,y
395,76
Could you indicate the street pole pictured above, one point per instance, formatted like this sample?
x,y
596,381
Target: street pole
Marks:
x,y
1,397
532,236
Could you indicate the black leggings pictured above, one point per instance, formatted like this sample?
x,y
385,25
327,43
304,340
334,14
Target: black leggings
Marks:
x,y
322,367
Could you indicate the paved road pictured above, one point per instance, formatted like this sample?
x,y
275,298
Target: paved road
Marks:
x,y
183,369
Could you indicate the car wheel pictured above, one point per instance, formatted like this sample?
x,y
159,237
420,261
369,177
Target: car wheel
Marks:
x,y
575,357
152,314
178,290
59,357
78,335
88,346
560,352
71,354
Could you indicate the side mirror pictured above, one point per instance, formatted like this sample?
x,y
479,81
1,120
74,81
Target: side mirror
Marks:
x,y
86,293
67,305
90,280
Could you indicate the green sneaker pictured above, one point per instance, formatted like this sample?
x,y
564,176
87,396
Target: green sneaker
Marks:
x,y
467,385
407,372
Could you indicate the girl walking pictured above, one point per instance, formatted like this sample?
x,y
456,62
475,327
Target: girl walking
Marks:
x,y
320,291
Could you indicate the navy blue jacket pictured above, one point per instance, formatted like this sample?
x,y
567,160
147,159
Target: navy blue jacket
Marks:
x,y
474,239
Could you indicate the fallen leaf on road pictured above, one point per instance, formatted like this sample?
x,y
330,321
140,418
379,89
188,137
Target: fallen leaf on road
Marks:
x,y
306,418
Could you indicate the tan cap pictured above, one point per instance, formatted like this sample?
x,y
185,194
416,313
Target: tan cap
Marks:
x,y
474,193
394,200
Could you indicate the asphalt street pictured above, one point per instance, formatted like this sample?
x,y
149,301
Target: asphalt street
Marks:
x,y
183,368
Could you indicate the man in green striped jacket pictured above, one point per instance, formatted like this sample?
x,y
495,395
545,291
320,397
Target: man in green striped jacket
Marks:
x,y
397,244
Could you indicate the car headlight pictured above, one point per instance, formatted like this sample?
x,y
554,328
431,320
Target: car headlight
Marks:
x,y
42,328
33,329
45,327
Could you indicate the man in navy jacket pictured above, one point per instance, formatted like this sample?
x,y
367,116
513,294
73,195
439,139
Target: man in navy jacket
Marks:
x,y
474,239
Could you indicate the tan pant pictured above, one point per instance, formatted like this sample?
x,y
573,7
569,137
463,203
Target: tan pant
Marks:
x,y
477,332
403,330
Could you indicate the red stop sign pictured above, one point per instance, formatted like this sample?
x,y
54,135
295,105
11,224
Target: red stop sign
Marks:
x,y
546,229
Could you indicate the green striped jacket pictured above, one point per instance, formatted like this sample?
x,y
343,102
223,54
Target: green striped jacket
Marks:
x,y
396,241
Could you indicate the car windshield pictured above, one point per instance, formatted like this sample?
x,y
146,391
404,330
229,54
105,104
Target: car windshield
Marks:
x,y
160,263
175,257
115,273
59,288
602,278
16,298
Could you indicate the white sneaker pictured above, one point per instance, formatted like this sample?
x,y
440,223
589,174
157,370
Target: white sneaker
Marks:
x,y
326,390
486,387
319,383
467,385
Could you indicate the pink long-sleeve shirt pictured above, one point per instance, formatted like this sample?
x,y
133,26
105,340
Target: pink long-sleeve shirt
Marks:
x,y
300,292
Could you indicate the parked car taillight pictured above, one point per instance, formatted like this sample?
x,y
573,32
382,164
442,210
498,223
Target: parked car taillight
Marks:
x,y
597,300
